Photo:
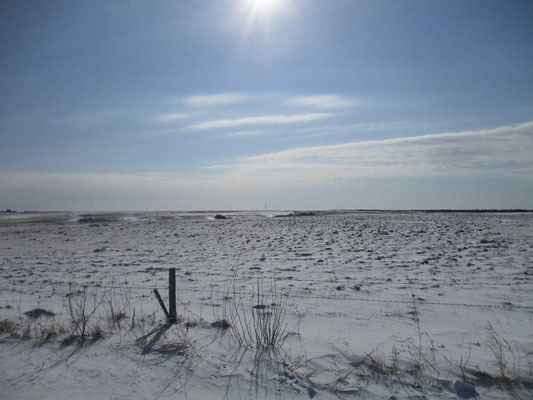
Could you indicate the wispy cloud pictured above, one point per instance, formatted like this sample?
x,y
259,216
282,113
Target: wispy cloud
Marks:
x,y
255,132
506,150
262,120
170,117
321,101
373,126
214,100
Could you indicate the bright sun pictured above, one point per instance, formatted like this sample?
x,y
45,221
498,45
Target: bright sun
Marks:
x,y
262,15
264,4
263,7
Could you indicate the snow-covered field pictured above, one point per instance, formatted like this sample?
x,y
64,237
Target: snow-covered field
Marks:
x,y
377,304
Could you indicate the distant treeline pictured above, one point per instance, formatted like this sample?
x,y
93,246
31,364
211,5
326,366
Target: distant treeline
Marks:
x,y
445,210
309,212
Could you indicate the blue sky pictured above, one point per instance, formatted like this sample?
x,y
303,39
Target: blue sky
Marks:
x,y
299,104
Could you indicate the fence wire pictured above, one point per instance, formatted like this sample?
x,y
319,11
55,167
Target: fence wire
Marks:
x,y
247,291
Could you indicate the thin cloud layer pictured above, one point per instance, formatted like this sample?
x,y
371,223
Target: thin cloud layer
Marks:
x,y
262,120
215,100
321,101
254,132
170,117
503,151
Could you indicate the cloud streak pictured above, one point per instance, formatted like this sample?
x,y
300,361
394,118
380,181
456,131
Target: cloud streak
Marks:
x,y
214,100
255,132
262,120
170,117
321,101
503,151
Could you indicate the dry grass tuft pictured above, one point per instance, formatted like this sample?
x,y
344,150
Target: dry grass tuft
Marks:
x,y
82,306
8,327
257,320
221,324
97,333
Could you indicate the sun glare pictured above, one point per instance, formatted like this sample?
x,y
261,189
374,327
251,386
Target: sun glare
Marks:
x,y
263,9
262,17
264,5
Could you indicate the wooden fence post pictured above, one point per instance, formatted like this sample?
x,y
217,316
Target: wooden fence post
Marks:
x,y
160,300
172,296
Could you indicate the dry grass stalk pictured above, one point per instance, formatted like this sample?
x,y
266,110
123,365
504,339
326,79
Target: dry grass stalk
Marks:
x,y
257,321
82,306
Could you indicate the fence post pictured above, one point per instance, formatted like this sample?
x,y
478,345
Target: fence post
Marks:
x,y
160,300
172,295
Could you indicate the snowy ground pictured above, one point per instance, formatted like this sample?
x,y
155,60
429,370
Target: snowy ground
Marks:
x,y
377,304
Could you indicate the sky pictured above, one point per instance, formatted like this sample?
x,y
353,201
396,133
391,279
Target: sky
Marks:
x,y
292,104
